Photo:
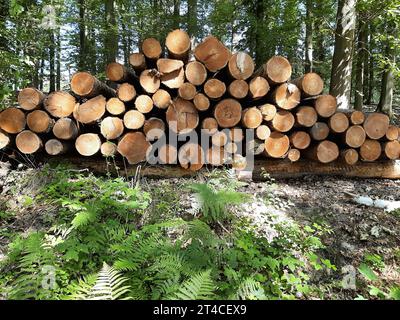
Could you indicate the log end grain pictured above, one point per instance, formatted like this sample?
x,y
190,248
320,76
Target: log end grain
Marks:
x,y
228,113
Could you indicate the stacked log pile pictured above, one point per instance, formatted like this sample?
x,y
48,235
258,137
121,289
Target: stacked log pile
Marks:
x,y
173,89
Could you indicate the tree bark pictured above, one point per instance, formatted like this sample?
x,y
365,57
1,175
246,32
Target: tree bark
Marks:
x,y
111,35
359,93
308,61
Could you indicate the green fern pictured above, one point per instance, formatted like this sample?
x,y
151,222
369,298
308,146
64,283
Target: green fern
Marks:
x,y
250,289
198,287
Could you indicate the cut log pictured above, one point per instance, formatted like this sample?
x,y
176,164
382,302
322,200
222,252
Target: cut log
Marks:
x,y
240,66
88,144
108,149
215,156
12,120
370,150
238,89
214,88
277,145
319,131
167,154
228,113
111,127
212,53
151,48
138,62
178,44
30,98
338,122
391,149
39,121
251,118
306,116
126,92
161,99
376,125
91,110
236,134
300,140
134,147
325,105
134,119
187,91
209,125
60,104
182,116
144,103
263,132
392,133
349,156
201,102
28,142
293,155
149,80
355,136
230,148
239,162
258,88
115,106
4,139
286,96
191,156
310,84
256,147
268,111
277,70
325,151
283,121
85,85
196,73
356,117
119,73
55,147
174,79
166,66
65,129
153,128
219,139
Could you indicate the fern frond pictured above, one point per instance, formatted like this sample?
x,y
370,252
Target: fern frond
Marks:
x,y
250,289
198,287
80,290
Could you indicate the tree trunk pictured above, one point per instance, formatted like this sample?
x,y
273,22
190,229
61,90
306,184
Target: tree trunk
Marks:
x,y
56,147
12,120
58,65
65,129
111,36
88,144
228,113
359,93
28,142
111,128
144,103
91,110
376,125
60,104
308,62
82,37
39,121
192,17
177,12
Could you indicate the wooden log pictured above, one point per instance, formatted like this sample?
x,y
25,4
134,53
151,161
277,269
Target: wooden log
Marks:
x,y
111,127
85,85
376,125
119,73
182,116
196,73
392,133
228,113
39,121
286,96
238,89
306,116
277,70
174,79
356,117
65,129
115,106
151,48
230,148
349,156
12,120
310,84
219,139
161,99
277,145
191,156
88,144
338,122
263,132
214,88
209,125
239,162
167,154
154,128
55,147
134,119
268,111
283,121
28,142
251,118
30,98
91,110
126,92
201,102
134,147
319,131
293,155
212,53
325,105
137,61
240,66
258,88
300,140
4,139
108,149
370,150
236,134
355,136
215,156
325,151
391,150
60,104
166,66
187,91
178,44
149,80
144,103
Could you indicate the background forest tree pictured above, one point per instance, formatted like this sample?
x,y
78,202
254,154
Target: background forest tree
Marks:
x,y
43,43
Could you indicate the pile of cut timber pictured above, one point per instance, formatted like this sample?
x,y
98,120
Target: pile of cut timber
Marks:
x,y
209,89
